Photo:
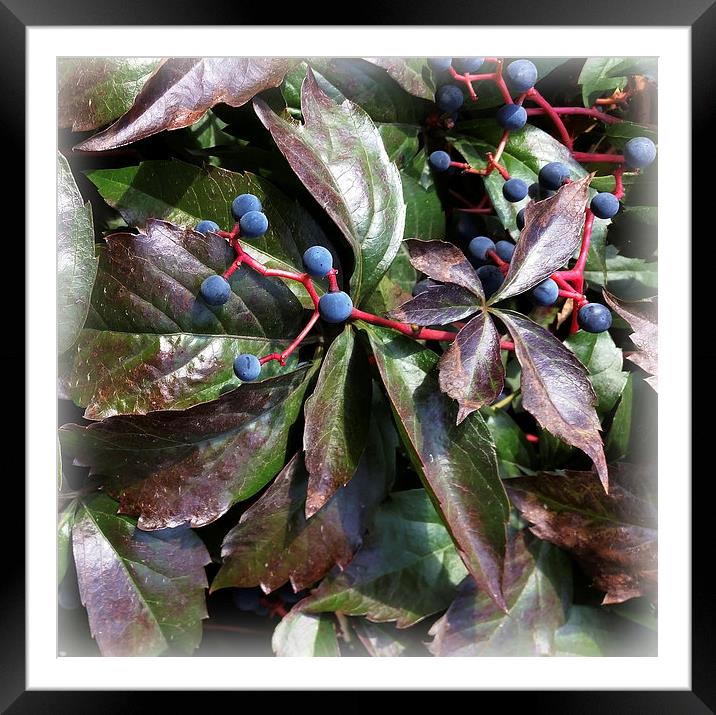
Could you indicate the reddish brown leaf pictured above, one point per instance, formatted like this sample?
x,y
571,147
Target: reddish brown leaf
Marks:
x,y
437,306
642,316
471,370
556,388
183,89
445,263
613,536
551,234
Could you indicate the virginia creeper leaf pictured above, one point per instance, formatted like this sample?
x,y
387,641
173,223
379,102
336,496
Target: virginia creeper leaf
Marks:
x,y
93,91
597,80
471,370
116,373
183,89
149,283
411,73
144,593
446,263
642,316
76,262
337,419
172,467
275,542
407,569
457,463
616,444
424,218
438,306
513,449
303,635
552,232
64,531
612,536
538,589
556,388
339,156
185,194
378,640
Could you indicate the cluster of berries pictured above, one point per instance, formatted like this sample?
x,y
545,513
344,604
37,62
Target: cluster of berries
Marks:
x,y
333,307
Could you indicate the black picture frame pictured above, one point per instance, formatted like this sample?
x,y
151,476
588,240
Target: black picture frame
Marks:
x,y
699,15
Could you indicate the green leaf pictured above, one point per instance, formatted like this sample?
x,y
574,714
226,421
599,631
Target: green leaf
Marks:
x,y
457,463
144,593
407,569
302,635
616,444
274,541
401,142
613,536
93,91
337,420
185,194
76,262
173,467
596,78
181,91
379,641
646,66
621,132
411,73
424,218
114,373
339,156
587,632
64,532
538,589
603,360
149,283
556,389
513,450
627,277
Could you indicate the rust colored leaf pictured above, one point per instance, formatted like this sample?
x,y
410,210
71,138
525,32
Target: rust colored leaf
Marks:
x,y
144,592
471,370
552,232
183,89
172,468
642,316
274,541
337,420
613,536
411,73
438,305
446,263
556,388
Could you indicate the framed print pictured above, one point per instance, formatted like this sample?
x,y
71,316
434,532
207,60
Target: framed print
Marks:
x,y
356,355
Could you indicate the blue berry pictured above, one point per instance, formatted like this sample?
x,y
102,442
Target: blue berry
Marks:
x,y
604,205
594,318
318,261
545,293
639,152
335,307
247,367
479,246
450,98
553,175
423,285
505,250
440,161
253,224
439,64
537,193
512,116
244,203
491,278
521,75
468,65
520,219
514,190
215,290
206,226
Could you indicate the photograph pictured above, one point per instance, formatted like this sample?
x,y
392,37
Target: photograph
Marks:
x,y
357,356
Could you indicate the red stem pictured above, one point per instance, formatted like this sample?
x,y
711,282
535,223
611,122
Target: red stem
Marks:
x,y
535,96
586,111
281,357
585,156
